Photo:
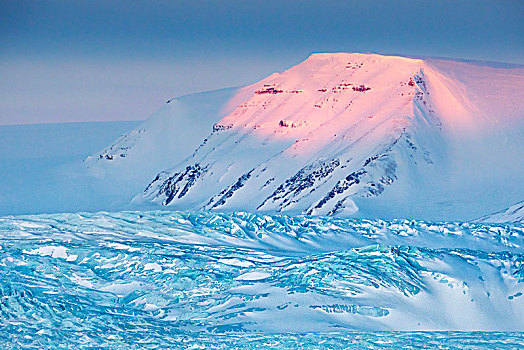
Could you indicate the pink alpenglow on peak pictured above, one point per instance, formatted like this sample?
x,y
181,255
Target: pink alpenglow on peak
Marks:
x,y
340,134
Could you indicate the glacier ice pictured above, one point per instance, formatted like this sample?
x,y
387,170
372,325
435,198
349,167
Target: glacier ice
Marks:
x,y
215,280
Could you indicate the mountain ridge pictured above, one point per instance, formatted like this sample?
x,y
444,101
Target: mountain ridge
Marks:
x,y
326,136
512,215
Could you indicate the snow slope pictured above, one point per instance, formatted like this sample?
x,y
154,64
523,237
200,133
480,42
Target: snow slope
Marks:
x,y
166,138
342,134
513,214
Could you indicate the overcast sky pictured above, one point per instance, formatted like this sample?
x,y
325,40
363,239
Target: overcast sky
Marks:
x,y
68,61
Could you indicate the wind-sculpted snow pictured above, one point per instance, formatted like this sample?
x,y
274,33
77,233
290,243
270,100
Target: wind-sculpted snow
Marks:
x,y
199,279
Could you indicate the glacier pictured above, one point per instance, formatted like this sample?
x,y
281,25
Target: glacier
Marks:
x,y
157,279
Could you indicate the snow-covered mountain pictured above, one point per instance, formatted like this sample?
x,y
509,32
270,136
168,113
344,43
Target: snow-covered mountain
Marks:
x,y
513,214
163,140
339,134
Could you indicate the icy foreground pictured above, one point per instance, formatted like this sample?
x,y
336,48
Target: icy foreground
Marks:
x,y
340,135
161,277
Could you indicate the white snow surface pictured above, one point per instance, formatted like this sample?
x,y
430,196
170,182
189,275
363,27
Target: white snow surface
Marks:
x,y
41,168
513,214
163,140
340,134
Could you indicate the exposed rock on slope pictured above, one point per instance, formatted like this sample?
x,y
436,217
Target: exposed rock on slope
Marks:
x,y
344,134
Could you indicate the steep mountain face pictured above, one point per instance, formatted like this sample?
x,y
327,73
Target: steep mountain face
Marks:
x,y
349,134
163,140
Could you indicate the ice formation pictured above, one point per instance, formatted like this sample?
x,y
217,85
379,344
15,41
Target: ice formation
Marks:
x,y
97,278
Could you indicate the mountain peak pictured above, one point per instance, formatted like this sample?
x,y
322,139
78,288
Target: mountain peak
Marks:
x,y
338,134
344,56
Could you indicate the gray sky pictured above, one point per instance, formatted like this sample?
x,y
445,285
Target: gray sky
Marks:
x,y
64,61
